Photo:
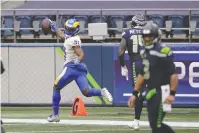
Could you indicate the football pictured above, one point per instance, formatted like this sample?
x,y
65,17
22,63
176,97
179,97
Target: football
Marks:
x,y
45,26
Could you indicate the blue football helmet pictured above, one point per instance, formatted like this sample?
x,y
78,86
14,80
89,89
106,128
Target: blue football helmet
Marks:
x,y
72,27
138,20
151,35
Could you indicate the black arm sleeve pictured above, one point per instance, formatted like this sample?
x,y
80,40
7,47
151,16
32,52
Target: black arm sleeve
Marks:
x,y
121,51
169,64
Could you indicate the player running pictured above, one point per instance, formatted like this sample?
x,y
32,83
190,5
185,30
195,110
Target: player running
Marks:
x,y
158,72
74,68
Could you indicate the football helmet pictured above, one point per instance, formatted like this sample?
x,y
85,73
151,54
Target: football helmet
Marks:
x,y
72,27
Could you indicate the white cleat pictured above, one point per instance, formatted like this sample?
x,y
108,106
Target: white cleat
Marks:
x,y
53,118
135,125
107,94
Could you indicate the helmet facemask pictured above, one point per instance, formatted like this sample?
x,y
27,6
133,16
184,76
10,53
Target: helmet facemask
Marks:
x,y
148,40
71,31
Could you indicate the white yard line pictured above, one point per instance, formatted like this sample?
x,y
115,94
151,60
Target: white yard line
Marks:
x,y
97,122
70,131
96,130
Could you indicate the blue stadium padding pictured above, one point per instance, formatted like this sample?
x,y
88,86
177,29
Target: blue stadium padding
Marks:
x,y
195,17
177,22
107,57
114,19
102,62
93,61
158,19
25,23
82,19
9,23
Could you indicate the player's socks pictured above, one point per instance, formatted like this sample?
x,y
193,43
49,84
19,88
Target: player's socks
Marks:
x,y
93,92
56,99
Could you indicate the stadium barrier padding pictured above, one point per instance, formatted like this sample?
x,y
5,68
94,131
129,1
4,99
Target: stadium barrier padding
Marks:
x,y
101,60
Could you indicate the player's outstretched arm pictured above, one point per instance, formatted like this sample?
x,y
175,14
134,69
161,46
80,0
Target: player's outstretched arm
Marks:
x,y
60,34
58,31
78,50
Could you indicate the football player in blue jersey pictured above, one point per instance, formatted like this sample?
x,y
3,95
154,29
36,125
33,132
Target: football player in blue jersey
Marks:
x,y
74,67
132,41
159,74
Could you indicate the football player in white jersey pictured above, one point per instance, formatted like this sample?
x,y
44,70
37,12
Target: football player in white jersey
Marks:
x,y
74,68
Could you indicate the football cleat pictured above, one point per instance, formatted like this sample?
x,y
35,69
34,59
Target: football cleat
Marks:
x,y
53,118
107,94
135,125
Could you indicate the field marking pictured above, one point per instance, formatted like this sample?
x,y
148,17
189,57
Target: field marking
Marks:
x,y
97,122
96,130
177,95
181,52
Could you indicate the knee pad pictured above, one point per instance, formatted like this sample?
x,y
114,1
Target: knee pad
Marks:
x,y
85,92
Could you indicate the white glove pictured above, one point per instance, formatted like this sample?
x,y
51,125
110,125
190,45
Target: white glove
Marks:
x,y
76,61
124,72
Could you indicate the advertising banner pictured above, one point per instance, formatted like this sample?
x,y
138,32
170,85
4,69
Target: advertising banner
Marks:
x,y
186,59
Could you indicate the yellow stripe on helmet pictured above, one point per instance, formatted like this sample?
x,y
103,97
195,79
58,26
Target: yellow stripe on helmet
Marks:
x,y
76,24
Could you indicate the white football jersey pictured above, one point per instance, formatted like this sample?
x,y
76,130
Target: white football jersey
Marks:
x,y
70,54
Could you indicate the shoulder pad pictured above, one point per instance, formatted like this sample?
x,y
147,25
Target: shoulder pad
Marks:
x,y
161,51
165,50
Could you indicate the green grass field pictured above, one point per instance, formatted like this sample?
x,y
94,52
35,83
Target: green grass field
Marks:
x,y
99,120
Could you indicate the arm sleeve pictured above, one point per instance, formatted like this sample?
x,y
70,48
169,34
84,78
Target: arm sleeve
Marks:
x,y
121,51
169,64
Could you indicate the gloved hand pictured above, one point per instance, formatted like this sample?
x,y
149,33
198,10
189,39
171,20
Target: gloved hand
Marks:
x,y
53,26
124,72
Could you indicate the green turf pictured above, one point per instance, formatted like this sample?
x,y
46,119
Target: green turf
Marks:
x,y
83,128
94,113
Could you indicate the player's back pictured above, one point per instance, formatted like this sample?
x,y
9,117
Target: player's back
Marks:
x,y
133,39
69,52
158,60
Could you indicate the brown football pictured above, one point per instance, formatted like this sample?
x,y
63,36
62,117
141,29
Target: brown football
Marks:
x,y
45,26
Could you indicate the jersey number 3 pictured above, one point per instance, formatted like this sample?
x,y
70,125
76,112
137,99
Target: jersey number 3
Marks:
x,y
146,69
136,41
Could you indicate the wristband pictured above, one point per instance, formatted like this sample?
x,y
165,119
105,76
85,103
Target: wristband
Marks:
x,y
172,93
53,27
135,93
121,59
